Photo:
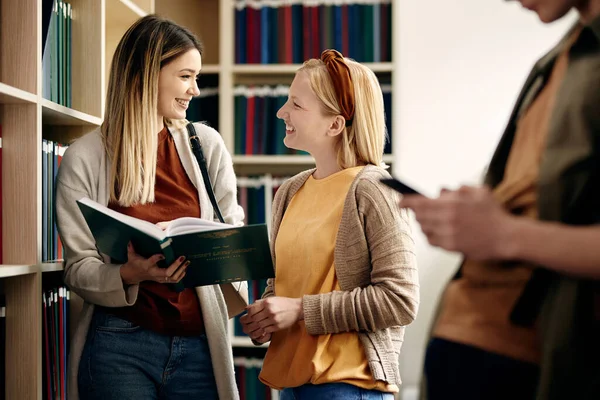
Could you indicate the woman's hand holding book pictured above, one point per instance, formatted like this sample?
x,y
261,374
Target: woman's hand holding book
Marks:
x,y
138,269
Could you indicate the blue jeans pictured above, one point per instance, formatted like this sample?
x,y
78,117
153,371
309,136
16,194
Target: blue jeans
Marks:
x,y
123,361
332,391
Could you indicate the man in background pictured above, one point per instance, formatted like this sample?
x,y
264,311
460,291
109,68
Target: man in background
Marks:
x,y
521,318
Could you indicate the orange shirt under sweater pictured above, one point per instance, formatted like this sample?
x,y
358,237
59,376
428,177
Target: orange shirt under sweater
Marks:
x,y
476,307
305,265
158,307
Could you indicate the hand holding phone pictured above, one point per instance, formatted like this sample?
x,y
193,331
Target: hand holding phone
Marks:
x,y
399,186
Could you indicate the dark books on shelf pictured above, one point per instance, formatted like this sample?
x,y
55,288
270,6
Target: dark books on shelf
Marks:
x,y
55,342
2,346
287,32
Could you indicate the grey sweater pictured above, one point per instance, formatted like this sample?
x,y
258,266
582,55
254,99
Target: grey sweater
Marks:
x,y
375,265
84,172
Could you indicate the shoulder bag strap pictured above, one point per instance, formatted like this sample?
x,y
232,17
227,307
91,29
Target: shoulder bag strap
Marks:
x,y
197,150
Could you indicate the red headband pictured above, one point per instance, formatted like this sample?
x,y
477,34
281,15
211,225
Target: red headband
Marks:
x,y
342,82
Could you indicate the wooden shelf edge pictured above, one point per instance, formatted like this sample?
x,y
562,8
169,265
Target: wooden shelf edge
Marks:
x,y
52,266
241,341
210,69
292,68
272,159
134,8
285,159
56,114
13,95
7,271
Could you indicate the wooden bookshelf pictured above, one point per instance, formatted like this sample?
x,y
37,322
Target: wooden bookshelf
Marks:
x,y
244,342
263,69
12,95
210,69
19,41
27,118
120,15
55,114
201,17
8,271
23,336
278,160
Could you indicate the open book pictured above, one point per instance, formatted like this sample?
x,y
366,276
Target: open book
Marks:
x,y
218,253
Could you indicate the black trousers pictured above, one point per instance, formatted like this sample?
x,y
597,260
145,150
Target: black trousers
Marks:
x,y
456,371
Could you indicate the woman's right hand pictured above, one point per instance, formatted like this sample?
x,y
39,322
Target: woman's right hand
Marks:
x,y
251,329
138,269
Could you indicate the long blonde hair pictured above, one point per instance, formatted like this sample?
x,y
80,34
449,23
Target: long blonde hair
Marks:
x,y
363,141
129,129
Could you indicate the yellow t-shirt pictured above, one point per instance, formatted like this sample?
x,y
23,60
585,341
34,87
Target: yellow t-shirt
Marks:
x,y
305,265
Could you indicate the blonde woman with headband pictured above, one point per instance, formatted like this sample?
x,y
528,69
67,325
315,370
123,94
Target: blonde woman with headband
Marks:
x,y
137,337
346,280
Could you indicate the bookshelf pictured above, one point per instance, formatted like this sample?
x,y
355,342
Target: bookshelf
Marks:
x,y
26,117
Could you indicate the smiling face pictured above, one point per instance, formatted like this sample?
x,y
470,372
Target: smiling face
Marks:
x,y
307,126
550,10
177,85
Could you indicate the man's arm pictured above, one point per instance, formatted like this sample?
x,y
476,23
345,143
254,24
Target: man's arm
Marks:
x,y
471,221
567,249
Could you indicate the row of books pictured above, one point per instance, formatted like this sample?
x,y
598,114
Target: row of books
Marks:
x,y
254,193
205,107
259,131
252,200
288,31
246,376
252,197
55,344
2,346
255,292
52,153
1,194
57,19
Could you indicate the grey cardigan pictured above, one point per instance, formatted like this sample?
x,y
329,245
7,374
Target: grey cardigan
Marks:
x,y
84,171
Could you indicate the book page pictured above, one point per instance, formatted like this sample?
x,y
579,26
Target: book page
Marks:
x,y
139,224
185,225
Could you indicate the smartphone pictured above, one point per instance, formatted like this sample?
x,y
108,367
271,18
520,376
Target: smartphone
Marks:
x,y
399,186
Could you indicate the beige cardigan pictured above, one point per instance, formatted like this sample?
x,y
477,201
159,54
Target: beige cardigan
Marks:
x,y
83,172
375,265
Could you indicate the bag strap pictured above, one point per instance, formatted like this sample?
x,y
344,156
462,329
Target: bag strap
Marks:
x,y
197,150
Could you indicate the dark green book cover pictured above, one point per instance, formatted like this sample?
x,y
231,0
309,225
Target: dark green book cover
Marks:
x,y
218,253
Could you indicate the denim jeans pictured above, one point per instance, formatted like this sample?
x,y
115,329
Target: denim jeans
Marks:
x,y
123,361
332,391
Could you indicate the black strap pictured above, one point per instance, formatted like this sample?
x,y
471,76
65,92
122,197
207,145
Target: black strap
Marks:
x,y
197,150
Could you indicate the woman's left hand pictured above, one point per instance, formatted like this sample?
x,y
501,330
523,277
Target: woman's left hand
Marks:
x,y
271,315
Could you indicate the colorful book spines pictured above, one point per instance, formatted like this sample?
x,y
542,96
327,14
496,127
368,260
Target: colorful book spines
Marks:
x,y
259,131
291,31
246,376
255,292
0,196
52,153
57,52
55,344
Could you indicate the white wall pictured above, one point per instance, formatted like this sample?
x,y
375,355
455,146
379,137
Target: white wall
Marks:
x,y
462,64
